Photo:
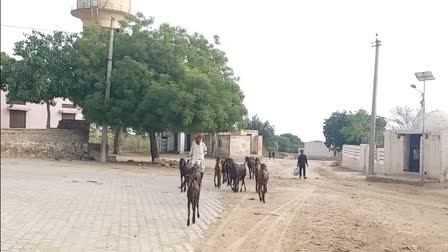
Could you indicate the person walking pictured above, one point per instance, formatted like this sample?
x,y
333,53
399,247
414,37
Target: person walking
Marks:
x,y
302,163
197,154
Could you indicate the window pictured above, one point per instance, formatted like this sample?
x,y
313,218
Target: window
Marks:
x,y
68,116
17,119
68,105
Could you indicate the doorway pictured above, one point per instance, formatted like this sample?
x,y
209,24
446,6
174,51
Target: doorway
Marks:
x,y
17,119
414,153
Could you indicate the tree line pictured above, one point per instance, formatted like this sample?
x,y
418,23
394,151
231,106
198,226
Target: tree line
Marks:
x,y
271,142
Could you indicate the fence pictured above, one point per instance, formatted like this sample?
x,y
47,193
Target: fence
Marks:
x,y
356,157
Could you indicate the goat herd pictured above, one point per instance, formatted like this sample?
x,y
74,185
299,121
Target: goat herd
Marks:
x,y
231,173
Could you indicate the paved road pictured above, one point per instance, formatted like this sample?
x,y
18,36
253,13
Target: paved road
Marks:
x,y
84,206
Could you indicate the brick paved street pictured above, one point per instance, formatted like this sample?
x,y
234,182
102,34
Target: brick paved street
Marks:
x,y
86,206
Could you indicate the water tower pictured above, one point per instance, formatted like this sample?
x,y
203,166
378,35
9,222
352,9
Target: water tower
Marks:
x,y
100,12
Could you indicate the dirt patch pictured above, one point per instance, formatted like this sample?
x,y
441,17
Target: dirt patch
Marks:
x,y
338,211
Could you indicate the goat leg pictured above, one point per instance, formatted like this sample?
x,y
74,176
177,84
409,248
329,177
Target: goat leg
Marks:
x,y
188,220
198,207
194,212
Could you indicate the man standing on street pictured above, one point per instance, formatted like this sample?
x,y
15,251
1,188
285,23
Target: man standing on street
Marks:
x,y
302,164
197,154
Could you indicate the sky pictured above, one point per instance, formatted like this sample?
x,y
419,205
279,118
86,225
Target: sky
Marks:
x,y
299,61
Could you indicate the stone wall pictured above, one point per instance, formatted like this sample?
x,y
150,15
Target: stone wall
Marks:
x,y
45,143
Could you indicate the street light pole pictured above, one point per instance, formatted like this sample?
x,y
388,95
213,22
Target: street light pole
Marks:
x,y
373,115
103,157
422,166
423,76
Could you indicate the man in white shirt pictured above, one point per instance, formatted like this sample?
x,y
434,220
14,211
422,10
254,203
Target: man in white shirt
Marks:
x,y
197,153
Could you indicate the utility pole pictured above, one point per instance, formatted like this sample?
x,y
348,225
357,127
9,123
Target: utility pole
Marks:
x,y
107,93
372,148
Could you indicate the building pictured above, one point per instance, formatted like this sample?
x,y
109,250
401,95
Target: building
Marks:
x,y
318,150
402,148
100,12
173,142
237,144
34,116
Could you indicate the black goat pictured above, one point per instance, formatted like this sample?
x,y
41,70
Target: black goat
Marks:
x,y
238,173
250,161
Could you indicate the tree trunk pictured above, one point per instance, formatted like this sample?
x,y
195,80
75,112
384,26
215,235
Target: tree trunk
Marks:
x,y
118,140
153,146
48,114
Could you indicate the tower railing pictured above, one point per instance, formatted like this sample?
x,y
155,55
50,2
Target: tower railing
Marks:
x,y
103,4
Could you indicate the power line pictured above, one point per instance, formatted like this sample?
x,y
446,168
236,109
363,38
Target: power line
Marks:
x,y
33,28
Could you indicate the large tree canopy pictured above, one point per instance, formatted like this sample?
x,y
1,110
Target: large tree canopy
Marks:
x,y
43,70
163,79
265,129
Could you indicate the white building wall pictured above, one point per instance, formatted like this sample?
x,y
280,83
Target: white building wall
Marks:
x,y
317,149
36,115
444,159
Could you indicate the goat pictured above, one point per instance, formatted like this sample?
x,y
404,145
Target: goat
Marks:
x,y
223,172
228,163
256,173
193,193
183,168
238,173
263,182
218,172
250,161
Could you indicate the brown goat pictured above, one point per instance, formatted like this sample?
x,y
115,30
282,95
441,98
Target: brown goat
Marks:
x,y
193,193
256,173
218,172
263,182
183,168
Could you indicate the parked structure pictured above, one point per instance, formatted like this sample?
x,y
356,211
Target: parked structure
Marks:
x,y
318,151
34,116
402,148
100,12
401,154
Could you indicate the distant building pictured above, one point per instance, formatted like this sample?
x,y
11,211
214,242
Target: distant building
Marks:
x,y
34,116
402,148
318,150
237,144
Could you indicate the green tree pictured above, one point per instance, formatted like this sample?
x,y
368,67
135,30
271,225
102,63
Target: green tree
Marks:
x,y
6,70
44,70
333,130
357,130
351,128
266,130
295,142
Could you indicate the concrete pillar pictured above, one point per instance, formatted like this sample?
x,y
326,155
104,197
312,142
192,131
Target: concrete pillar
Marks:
x,y
181,143
364,157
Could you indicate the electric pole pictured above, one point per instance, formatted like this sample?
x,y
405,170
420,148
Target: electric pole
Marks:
x,y
372,148
107,93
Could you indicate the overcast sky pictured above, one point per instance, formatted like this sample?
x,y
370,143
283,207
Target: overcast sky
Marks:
x,y
298,60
